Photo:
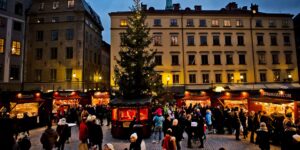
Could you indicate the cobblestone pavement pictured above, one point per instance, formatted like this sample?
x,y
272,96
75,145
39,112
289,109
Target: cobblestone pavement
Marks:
x,y
213,142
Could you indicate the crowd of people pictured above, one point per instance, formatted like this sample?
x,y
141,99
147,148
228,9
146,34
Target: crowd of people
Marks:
x,y
170,123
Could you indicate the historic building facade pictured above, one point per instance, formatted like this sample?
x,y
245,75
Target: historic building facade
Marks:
x,y
12,32
232,47
64,40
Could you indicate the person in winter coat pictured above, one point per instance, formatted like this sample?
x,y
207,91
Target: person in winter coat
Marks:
x,y
197,128
251,127
134,144
83,131
243,120
158,120
177,133
63,133
95,133
169,142
49,137
24,142
236,125
167,124
287,139
208,120
263,137
188,129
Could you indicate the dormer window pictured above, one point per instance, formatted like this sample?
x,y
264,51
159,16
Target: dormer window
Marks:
x,y
55,5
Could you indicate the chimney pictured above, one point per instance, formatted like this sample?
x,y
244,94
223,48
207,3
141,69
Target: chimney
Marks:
x,y
254,8
231,6
198,7
169,5
144,7
176,6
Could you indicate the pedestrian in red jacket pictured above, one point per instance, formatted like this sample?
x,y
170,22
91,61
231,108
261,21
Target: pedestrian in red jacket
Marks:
x,y
83,131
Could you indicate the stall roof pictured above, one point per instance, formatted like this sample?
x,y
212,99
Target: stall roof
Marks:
x,y
67,97
196,97
197,87
272,100
27,100
131,102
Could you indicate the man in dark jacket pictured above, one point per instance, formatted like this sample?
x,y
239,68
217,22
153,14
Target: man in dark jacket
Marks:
x,y
63,133
263,137
287,139
49,137
236,125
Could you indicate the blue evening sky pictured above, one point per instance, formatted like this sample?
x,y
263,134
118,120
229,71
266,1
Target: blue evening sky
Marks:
x,y
103,7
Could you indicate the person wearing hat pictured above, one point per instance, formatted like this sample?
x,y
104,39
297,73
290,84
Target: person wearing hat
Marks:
x,y
95,133
63,133
108,146
263,137
158,120
134,144
169,142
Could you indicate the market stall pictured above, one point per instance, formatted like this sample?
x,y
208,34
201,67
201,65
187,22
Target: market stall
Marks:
x,y
63,100
100,98
234,100
203,100
125,111
276,102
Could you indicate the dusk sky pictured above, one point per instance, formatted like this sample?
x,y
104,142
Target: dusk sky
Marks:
x,y
103,7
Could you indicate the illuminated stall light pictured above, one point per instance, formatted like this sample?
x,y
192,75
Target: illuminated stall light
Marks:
x,y
227,94
37,94
19,95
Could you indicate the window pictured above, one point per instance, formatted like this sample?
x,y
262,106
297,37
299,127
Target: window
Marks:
x,y
69,53
55,5
40,20
122,38
3,4
229,59
217,58
228,40
70,18
192,78
240,39
173,22
17,26
218,78
202,23
239,23
243,77
242,59
53,73
16,48
174,40
175,79
2,45
55,19
272,23
175,60
158,60
261,58
69,74
273,40
2,22
260,40
53,53
39,35
189,22
288,58
123,23
71,3
192,60
205,78
216,40
215,23
276,75
286,40
38,75
14,73
275,58
258,23
227,23
39,54
54,35
157,40
190,40
157,22
230,77
263,77
203,40
204,59
42,6
19,9
285,23
69,34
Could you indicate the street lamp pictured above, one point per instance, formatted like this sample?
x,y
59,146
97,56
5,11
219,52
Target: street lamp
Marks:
x,y
100,78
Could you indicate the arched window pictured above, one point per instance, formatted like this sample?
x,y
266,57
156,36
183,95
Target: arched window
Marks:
x,y
19,9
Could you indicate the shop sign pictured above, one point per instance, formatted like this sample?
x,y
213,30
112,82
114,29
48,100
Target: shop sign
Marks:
x,y
281,95
27,96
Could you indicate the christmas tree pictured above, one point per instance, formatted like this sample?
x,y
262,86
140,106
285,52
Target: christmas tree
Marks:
x,y
135,72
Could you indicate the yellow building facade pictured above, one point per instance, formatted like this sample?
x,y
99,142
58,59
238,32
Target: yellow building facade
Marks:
x,y
200,49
